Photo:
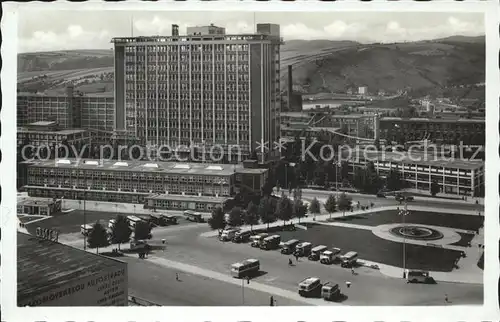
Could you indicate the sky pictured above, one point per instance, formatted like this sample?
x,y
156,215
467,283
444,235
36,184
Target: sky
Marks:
x,y
47,30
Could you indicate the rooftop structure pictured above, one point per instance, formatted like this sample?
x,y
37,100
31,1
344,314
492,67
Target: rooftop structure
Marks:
x,y
50,272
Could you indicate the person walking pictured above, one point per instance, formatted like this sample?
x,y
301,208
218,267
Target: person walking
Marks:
x,y
296,258
271,301
446,298
290,262
177,277
348,284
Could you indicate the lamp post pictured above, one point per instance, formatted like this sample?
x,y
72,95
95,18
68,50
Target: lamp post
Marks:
x,y
84,221
403,213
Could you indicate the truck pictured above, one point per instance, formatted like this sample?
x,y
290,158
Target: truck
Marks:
x,y
289,246
316,252
271,242
302,249
329,256
256,240
349,259
310,287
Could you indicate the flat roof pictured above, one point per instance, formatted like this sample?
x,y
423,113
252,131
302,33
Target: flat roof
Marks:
x,y
43,123
420,158
251,170
43,265
32,201
433,120
141,166
191,198
60,132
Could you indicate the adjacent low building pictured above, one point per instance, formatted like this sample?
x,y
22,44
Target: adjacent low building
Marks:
x,y
164,185
38,206
459,177
53,274
48,133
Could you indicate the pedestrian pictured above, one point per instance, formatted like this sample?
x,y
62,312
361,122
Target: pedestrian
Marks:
x,y
290,262
352,271
348,284
446,298
177,277
271,301
296,258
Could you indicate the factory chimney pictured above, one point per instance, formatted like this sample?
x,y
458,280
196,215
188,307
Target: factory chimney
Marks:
x,y
175,30
290,87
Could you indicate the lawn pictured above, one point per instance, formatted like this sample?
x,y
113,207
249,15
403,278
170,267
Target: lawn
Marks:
x,y
373,248
70,222
457,221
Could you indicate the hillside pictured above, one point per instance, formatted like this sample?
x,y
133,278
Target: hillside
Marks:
x,y
318,65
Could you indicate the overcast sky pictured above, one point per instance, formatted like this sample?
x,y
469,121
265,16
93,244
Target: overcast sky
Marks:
x,y
61,30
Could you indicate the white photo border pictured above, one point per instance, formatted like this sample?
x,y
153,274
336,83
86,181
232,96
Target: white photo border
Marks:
x,y
488,311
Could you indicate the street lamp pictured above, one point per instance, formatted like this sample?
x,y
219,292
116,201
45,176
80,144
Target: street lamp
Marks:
x,y
403,213
243,289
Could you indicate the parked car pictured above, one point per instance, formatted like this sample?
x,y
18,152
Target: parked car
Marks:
x,y
381,195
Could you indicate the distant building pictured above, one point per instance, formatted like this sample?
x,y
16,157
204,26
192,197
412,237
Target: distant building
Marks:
x,y
443,130
53,274
363,90
204,88
49,134
462,178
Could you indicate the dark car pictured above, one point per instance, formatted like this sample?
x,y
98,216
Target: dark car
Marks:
x,y
381,195
410,198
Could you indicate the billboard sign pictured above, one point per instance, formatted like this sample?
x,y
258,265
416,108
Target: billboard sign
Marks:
x,y
105,288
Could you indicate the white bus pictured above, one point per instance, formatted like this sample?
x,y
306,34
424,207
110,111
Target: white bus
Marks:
x,y
316,252
310,286
349,259
133,220
416,276
86,229
256,240
228,234
193,216
247,268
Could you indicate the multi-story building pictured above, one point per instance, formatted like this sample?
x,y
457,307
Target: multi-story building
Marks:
x,y
91,112
177,185
48,133
419,171
442,130
205,88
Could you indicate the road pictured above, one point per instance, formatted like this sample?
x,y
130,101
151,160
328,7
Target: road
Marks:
x,y
158,285
366,199
369,286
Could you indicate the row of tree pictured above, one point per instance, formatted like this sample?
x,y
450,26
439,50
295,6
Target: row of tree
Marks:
x,y
272,209
119,233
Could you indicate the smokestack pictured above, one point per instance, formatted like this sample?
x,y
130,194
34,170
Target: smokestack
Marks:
x,y
175,30
290,87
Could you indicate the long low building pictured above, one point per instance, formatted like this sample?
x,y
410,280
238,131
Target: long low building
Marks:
x,y
460,177
184,185
53,274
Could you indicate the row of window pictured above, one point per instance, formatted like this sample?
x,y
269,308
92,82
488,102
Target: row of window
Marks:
x,y
182,48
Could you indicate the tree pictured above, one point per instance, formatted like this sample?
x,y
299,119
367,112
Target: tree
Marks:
x,y
235,217
299,209
98,237
344,203
314,207
284,209
142,230
120,231
251,215
435,188
217,221
331,205
266,211
394,182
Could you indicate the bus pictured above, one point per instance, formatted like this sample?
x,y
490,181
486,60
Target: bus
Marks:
x,y
271,242
242,236
349,259
171,220
228,234
316,252
302,249
289,247
311,286
193,216
148,219
133,220
86,229
256,240
416,276
158,220
247,268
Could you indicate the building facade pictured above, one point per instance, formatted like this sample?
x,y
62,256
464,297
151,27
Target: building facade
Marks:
x,y
69,111
184,185
204,88
48,133
464,178
441,130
